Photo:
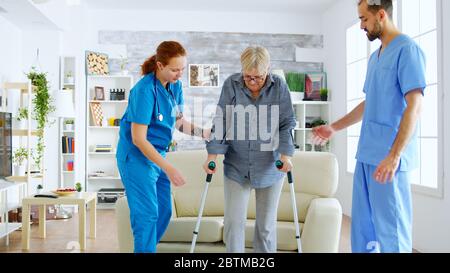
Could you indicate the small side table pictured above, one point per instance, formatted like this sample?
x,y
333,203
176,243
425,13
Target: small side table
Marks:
x,y
86,198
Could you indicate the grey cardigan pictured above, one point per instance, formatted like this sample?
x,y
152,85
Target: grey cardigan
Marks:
x,y
252,133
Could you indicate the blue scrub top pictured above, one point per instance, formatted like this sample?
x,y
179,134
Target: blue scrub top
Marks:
x,y
143,109
390,76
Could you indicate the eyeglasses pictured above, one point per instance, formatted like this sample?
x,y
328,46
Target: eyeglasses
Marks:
x,y
257,79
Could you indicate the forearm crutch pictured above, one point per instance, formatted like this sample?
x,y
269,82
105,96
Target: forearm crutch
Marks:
x,y
279,165
211,166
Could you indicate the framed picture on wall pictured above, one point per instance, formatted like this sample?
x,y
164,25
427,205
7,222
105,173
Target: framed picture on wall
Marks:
x,y
203,75
97,63
313,83
99,93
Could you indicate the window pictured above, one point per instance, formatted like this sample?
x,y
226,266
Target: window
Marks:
x,y
419,20
358,53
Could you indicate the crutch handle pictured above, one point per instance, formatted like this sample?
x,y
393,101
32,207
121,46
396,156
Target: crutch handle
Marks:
x,y
212,167
279,164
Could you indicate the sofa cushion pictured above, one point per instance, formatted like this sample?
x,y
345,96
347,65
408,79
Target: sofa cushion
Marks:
x,y
285,235
315,173
188,201
181,230
187,198
285,211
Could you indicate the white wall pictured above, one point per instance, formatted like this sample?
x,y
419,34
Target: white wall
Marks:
x,y
17,55
432,215
80,28
49,45
157,20
10,51
81,34
431,226
335,22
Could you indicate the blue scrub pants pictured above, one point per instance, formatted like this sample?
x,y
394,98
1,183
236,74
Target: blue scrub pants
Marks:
x,y
381,213
148,192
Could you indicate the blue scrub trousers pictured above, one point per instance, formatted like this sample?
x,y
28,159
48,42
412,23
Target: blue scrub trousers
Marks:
x,y
381,213
148,192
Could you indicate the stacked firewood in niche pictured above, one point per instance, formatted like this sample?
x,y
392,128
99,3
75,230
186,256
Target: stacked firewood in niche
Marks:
x,y
97,63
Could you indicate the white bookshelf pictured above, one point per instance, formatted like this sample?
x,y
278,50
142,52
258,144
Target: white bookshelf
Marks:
x,y
308,111
106,133
11,195
67,82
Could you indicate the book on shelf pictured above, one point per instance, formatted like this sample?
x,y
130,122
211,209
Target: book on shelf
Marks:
x,y
103,148
99,174
103,151
68,145
103,145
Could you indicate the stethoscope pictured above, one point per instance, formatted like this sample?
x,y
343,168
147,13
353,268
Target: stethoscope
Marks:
x,y
159,115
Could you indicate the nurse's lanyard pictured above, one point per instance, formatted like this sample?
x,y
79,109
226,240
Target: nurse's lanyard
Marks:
x,y
159,115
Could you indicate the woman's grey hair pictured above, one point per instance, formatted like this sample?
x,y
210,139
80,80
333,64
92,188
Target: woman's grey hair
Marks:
x,y
255,58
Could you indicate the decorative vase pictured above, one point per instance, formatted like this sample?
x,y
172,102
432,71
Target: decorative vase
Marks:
x,y
69,127
324,97
297,96
19,170
70,80
20,124
79,194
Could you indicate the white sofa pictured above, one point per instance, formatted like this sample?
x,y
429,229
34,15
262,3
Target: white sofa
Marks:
x,y
320,215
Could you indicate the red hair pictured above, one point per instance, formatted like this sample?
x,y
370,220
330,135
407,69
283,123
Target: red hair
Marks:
x,y
164,53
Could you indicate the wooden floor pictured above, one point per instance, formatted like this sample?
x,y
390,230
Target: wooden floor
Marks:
x,y
62,237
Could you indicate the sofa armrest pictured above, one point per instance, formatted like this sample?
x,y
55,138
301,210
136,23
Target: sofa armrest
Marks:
x,y
124,233
174,208
322,227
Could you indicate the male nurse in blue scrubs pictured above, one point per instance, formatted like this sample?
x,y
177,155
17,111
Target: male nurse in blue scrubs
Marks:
x,y
387,149
155,108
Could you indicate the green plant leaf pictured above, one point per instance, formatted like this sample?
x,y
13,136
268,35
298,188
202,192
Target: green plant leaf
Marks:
x,y
43,106
295,81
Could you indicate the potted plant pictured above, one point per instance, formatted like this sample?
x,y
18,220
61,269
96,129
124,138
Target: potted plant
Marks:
x,y
123,65
42,103
69,124
296,84
39,188
19,157
318,122
324,94
78,188
69,77
22,117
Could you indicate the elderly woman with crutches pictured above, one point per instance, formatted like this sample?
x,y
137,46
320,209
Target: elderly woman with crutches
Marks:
x,y
252,129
